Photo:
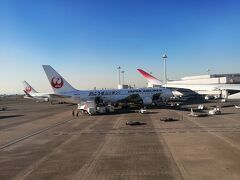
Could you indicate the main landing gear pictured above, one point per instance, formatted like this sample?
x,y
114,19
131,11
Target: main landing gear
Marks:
x,y
75,112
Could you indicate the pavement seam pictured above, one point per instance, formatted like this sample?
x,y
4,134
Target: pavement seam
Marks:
x,y
32,167
30,130
226,140
231,119
90,164
18,123
17,140
179,166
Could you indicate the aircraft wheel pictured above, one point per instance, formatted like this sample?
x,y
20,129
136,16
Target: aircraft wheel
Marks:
x,y
73,113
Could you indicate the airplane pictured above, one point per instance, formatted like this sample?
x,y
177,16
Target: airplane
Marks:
x,y
63,89
233,90
31,93
179,93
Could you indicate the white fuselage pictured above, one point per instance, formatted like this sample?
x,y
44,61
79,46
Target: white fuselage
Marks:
x,y
63,89
115,95
39,96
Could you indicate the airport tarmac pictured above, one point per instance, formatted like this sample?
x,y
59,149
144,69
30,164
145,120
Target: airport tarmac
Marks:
x,y
43,141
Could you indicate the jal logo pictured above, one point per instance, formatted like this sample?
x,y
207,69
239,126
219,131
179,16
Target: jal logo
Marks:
x,y
57,82
28,89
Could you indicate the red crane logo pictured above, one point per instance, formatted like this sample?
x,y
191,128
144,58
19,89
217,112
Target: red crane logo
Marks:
x,y
28,89
57,82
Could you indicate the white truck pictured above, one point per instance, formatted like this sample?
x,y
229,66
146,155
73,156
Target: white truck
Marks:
x,y
91,108
87,107
202,107
143,111
215,111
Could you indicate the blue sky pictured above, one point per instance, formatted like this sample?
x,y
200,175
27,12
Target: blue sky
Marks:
x,y
86,40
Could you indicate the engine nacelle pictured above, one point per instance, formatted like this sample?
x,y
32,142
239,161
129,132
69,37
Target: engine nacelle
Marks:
x,y
42,99
147,101
177,93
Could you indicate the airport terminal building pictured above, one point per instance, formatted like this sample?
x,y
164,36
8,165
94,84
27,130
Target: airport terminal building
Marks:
x,y
209,79
197,83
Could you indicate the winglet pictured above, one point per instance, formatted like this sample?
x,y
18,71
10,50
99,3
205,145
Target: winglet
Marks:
x,y
150,78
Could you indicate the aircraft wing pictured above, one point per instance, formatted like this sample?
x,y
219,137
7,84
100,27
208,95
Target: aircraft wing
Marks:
x,y
228,87
59,96
150,78
237,87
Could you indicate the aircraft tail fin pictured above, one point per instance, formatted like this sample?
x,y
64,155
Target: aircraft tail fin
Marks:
x,y
150,78
58,83
29,90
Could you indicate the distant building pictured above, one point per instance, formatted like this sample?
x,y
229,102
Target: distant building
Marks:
x,y
150,85
123,86
196,83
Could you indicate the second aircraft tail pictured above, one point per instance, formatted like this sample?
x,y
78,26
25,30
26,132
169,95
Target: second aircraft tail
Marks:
x,y
28,89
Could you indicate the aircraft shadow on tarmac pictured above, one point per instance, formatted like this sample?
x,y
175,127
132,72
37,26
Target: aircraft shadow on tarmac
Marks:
x,y
135,123
152,112
227,113
132,111
10,116
168,119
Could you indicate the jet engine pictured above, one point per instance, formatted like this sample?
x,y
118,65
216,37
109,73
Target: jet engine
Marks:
x,y
147,101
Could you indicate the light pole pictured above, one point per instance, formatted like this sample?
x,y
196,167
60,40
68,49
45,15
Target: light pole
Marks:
x,y
165,68
123,77
208,71
119,69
